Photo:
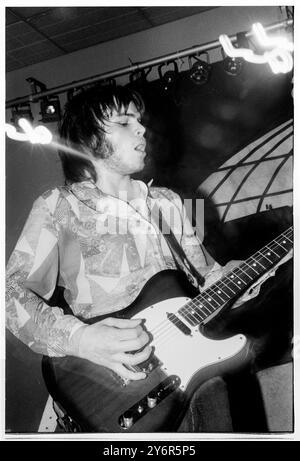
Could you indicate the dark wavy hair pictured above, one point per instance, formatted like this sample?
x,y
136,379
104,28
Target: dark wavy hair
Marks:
x,y
81,127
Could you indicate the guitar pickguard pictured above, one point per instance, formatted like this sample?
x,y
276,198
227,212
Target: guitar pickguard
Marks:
x,y
181,354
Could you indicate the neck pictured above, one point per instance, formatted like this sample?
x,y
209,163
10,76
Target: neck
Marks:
x,y
113,183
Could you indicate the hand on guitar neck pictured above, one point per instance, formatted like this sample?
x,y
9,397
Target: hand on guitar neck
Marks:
x,y
108,342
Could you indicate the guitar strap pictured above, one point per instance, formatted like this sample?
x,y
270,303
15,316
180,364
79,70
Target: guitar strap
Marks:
x,y
180,258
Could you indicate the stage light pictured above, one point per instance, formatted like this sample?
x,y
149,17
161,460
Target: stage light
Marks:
x,y
108,82
232,65
21,111
169,78
138,78
200,70
50,109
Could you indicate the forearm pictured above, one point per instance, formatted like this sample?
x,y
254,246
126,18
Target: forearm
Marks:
x,y
32,274
44,329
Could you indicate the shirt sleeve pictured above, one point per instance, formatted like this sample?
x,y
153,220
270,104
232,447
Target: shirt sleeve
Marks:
x,y
32,274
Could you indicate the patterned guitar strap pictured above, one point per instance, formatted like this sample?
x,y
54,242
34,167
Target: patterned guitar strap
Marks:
x,y
180,258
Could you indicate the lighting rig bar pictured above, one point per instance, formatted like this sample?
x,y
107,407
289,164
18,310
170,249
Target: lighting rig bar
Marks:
x,y
138,66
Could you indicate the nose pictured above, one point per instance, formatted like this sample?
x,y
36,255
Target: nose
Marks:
x,y
140,129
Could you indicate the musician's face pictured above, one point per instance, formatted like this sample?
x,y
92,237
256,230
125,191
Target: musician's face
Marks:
x,y
124,141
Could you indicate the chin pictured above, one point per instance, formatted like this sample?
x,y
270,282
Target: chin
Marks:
x,y
139,167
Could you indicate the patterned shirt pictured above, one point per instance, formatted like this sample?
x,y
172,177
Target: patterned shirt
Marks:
x,y
100,249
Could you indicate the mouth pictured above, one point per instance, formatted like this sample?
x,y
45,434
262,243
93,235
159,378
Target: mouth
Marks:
x,y
141,147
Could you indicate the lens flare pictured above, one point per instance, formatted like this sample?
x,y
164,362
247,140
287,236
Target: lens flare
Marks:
x,y
37,135
279,58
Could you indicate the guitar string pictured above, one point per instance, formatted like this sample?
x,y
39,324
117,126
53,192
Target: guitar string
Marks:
x,y
164,332
158,330
167,323
170,329
211,293
225,284
238,272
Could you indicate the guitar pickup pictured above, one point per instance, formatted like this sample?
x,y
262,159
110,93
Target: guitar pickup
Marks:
x,y
147,366
150,401
179,324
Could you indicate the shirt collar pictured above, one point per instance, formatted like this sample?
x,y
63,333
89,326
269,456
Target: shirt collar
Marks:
x,y
90,194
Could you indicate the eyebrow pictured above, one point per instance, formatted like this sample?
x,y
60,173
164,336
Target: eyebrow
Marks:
x,y
128,114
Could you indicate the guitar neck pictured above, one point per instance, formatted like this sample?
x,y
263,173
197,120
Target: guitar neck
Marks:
x,y
230,287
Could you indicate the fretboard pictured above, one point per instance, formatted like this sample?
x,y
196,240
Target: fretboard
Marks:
x,y
230,287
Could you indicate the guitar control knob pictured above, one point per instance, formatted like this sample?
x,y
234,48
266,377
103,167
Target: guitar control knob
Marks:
x,y
127,419
151,400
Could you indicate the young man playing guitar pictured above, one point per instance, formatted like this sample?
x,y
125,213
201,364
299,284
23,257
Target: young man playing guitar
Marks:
x,y
94,239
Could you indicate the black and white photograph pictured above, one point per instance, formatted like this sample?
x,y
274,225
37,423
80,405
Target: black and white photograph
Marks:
x,y
149,212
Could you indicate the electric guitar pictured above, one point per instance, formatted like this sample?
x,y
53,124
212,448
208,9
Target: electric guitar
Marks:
x,y
183,357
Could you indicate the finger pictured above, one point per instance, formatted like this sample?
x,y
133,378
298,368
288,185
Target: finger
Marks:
x,y
125,334
121,323
134,344
133,359
122,371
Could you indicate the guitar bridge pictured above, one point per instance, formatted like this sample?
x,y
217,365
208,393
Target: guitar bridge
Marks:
x,y
147,366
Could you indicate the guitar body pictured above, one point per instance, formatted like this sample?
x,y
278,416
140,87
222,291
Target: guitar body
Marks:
x,y
183,358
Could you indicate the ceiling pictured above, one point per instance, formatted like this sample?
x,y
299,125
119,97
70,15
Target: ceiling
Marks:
x,y
35,34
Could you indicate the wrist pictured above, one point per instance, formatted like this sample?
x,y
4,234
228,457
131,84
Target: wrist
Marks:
x,y
75,341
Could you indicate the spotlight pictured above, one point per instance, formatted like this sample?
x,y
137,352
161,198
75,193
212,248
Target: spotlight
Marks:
x,y
200,70
21,111
108,82
169,78
139,77
232,66
50,109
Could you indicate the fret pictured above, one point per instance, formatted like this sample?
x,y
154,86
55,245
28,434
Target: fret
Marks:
x,y
210,299
256,261
231,279
222,290
252,266
284,242
205,307
199,305
199,314
245,272
273,259
273,251
218,295
205,300
280,250
189,317
186,313
239,277
194,309
227,289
